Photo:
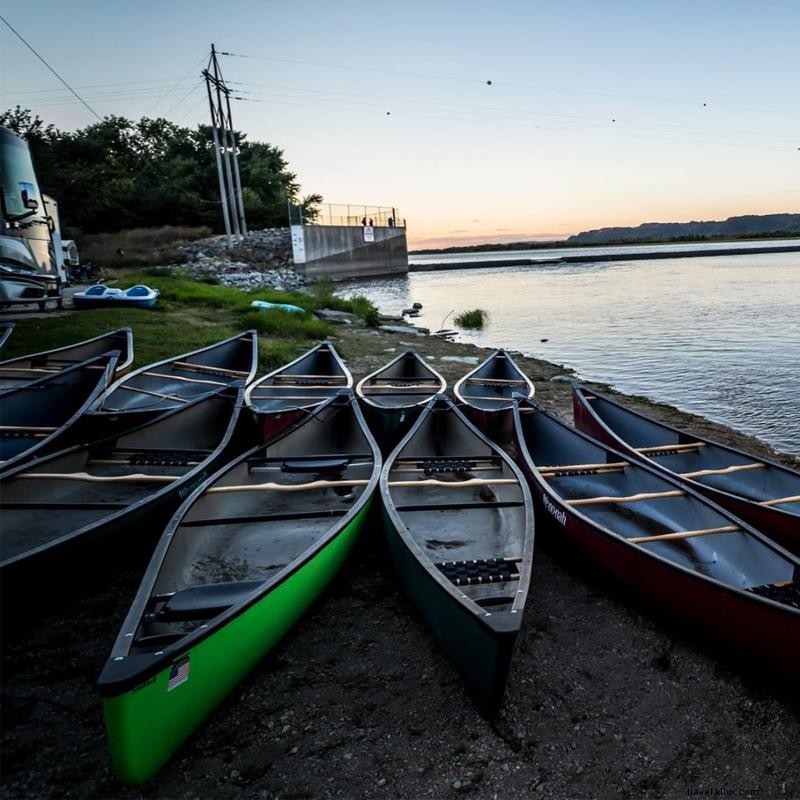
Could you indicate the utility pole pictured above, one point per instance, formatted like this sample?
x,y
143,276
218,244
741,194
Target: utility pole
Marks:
x,y
230,185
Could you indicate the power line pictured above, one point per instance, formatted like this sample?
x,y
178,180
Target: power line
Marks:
x,y
177,83
492,82
494,110
31,48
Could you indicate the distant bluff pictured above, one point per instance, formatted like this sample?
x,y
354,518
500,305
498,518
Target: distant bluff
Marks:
x,y
733,227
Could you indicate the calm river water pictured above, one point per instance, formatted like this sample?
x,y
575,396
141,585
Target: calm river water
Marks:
x,y
717,336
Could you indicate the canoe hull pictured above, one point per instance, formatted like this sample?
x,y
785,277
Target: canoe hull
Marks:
x,y
271,425
148,723
754,631
496,425
780,526
481,655
390,425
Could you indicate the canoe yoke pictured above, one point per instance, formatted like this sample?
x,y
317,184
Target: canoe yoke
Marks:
x,y
786,593
480,571
447,464
201,602
150,458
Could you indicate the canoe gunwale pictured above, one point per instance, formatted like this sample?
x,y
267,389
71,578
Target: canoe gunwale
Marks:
x,y
641,552
254,386
154,497
434,390
458,389
496,622
97,408
121,368
127,680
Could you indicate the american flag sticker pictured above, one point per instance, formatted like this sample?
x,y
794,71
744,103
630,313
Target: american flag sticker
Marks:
x,y
178,673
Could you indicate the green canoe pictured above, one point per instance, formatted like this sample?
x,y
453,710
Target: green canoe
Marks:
x,y
239,563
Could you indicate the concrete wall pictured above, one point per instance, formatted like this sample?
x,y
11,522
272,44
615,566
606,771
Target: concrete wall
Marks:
x,y
339,251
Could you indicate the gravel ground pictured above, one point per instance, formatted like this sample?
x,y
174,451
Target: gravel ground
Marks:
x,y
604,699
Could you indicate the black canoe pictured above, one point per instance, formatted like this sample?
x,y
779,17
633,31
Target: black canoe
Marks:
x,y
488,391
459,526
22,370
286,395
149,391
6,329
69,512
761,492
664,541
40,417
244,557
394,395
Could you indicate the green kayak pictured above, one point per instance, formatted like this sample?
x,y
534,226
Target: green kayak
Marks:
x,y
242,559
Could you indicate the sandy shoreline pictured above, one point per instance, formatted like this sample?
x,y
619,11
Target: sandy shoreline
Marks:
x,y
357,702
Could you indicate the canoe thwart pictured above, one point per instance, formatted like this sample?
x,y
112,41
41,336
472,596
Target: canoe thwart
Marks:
x,y
183,379
186,366
633,498
723,471
779,501
85,476
666,537
285,487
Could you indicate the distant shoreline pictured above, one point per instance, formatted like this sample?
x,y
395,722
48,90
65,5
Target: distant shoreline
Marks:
x,y
557,244
522,262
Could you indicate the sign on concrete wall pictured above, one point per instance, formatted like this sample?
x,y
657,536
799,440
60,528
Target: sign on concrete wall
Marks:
x,y
369,233
298,244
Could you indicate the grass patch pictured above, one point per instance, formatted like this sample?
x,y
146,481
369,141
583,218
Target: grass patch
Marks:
x,y
191,314
360,305
284,324
474,319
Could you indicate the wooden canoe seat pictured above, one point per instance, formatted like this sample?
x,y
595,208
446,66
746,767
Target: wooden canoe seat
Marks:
x,y
181,378
723,471
498,381
316,465
634,498
670,449
203,602
280,459
151,458
480,570
666,537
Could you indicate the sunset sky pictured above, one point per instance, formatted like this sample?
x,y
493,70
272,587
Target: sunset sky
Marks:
x,y
597,114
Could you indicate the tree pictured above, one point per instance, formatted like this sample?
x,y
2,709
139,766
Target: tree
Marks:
x,y
118,174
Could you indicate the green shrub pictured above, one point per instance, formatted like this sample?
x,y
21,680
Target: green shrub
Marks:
x,y
474,319
284,324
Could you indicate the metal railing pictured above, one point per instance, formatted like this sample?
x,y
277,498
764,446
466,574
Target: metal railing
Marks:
x,y
344,214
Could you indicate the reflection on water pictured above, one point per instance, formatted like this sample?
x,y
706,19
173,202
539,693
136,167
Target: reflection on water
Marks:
x,y
718,336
